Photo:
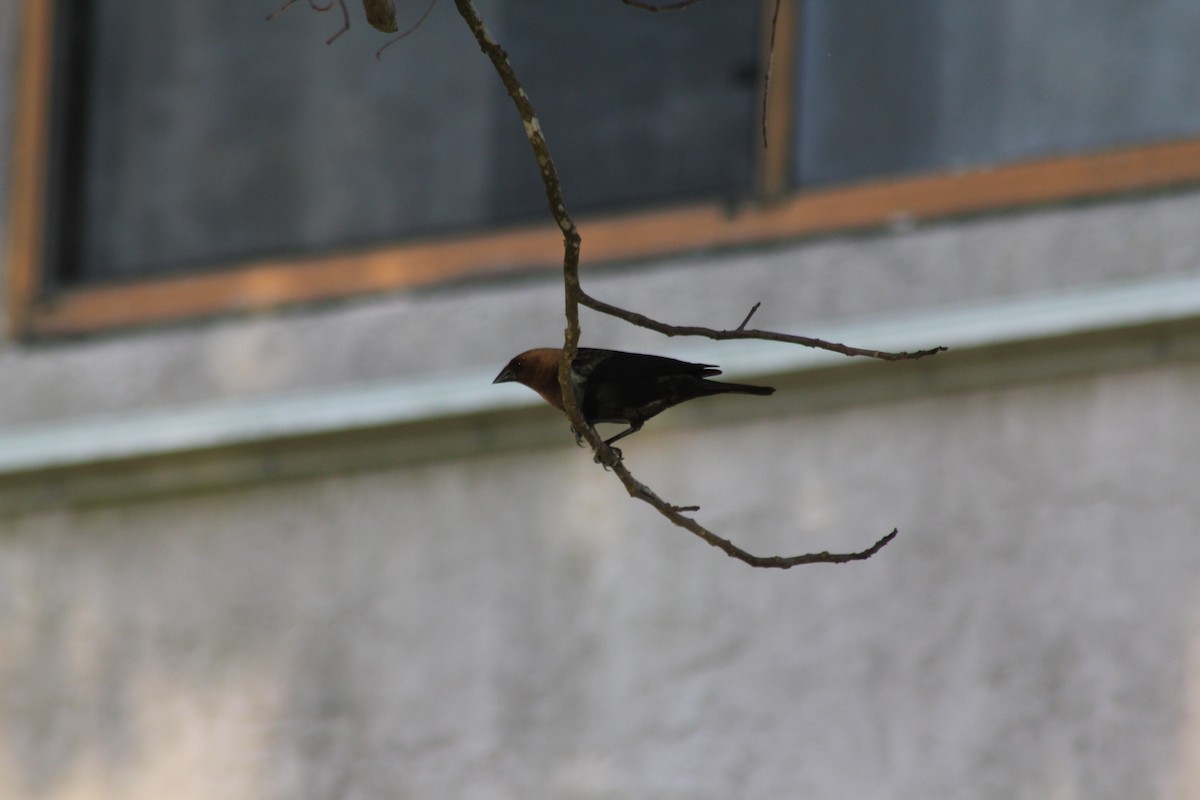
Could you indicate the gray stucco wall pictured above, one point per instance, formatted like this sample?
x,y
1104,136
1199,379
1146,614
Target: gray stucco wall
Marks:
x,y
513,626
509,624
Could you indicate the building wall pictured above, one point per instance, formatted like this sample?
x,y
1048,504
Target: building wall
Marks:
x,y
514,626
502,621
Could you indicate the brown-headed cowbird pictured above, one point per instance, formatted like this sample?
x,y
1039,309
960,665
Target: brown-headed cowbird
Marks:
x,y
611,386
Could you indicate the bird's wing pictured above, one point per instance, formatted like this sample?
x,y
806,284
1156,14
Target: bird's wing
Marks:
x,y
594,363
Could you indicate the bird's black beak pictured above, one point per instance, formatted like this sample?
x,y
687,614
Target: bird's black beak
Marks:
x,y
505,376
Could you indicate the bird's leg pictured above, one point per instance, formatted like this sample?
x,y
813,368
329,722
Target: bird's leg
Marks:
x,y
634,427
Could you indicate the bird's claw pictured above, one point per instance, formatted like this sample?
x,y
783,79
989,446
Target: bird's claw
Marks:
x,y
616,451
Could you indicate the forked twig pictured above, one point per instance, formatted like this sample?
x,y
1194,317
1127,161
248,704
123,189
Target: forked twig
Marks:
x,y
642,321
315,6
753,308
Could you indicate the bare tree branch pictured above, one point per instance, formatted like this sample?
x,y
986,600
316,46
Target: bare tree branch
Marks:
x,y
674,513
574,297
558,210
642,321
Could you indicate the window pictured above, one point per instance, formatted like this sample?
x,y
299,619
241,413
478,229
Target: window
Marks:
x,y
184,159
221,138
935,85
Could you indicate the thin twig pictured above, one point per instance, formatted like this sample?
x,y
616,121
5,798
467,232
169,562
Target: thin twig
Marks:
x,y
280,10
642,321
574,296
753,308
677,6
345,22
420,21
767,75
320,9
673,513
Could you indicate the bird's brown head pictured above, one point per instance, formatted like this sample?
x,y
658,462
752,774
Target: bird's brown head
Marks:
x,y
537,369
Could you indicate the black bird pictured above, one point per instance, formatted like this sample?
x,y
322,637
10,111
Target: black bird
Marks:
x,y
611,386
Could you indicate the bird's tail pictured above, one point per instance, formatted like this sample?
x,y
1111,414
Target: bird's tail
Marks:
x,y
720,387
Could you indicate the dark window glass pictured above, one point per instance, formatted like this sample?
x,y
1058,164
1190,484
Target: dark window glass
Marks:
x,y
198,133
896,87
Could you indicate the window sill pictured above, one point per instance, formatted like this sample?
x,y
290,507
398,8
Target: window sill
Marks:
x,y
39,311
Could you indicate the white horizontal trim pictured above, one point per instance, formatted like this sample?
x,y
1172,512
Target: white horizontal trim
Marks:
x,y
99,440
155,433
1018,319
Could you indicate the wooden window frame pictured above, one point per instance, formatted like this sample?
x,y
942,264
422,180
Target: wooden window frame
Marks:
x,y
38,310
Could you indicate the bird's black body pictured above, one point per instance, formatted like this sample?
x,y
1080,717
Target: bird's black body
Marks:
x,y
632,388
612,386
